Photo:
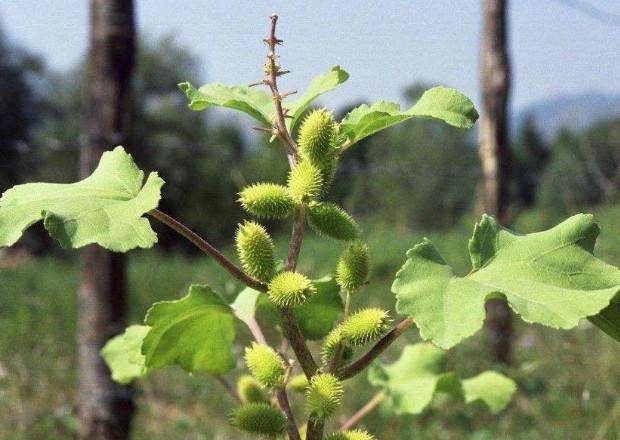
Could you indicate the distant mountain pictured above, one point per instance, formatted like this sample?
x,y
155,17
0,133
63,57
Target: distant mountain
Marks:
x,y
575,111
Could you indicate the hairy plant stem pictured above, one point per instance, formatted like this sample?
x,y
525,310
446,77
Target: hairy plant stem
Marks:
x,y
291,426
375,351
335,362
288,321
363,412
314,430
209,249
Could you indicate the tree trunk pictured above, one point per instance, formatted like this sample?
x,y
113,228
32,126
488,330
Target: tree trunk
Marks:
x,y
494,150
105,408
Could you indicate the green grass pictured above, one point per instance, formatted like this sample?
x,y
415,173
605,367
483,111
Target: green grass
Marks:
x,y
568,381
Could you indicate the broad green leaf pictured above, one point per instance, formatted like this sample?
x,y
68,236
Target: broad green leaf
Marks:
x,y
251,100
442,103
123,356
316,317
106,208
196,332
491,388
319,85
411,382
550,278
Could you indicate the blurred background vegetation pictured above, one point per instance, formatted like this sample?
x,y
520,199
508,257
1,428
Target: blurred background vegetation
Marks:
x,y
415,180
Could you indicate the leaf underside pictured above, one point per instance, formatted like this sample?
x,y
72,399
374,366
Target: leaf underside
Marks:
x,y
442,103
411,382
550,278
258,103
106,208
123,356
196,332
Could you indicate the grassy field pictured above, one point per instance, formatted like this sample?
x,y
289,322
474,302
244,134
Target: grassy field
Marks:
x,y
568,381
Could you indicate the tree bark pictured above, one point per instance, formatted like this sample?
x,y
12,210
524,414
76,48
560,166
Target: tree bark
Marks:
x,y
105,408
494,150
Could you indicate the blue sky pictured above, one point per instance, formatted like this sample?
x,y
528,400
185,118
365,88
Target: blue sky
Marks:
x,y
384,45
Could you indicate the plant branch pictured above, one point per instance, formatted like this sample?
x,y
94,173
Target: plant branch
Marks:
x,y
375,351
256,331
363,412
271,80
207,248
291,426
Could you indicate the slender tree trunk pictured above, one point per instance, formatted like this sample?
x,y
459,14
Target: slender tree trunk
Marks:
x,y
105,408
494,150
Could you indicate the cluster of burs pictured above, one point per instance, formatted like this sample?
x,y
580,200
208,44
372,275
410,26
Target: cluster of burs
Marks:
x,y
319,142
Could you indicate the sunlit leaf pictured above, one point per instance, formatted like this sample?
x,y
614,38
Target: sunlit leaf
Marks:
x,y
123,356
106,208
251,100
320,84
411,382
442,103
549,278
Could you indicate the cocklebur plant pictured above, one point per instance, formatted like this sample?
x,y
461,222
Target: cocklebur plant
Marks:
x,y
550,278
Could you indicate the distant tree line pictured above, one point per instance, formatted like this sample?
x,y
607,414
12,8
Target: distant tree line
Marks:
x,y
431,170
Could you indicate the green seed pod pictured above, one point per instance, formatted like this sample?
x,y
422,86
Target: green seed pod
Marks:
x,y
255,249
259,419
266,366
249,390
305,181
318,137
365,326
352,268
289,289
298,383
356,434
330,220
323,396
328,171
267,200
331,344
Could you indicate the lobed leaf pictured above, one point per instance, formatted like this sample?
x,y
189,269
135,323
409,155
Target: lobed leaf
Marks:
x,y
445,104
411,382
250,100
550,278
196,332
123,356
106,208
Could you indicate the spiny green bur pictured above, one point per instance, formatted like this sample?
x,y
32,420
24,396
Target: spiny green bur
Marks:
x,y
365,326
318,137
331,344
256,250
259,419
323,396
267,200
356,434
249,390
289,289
266,366
329,220
305,181
352,268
